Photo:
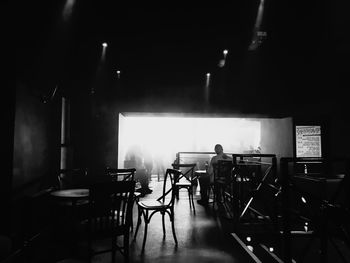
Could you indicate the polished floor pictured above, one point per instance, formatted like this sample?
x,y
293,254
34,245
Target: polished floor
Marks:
x,y
203,236
206,235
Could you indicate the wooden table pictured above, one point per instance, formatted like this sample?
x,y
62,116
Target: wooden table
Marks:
x,y
74,195
71,199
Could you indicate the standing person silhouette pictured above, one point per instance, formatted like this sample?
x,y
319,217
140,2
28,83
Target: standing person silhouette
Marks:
x,y
135,159
148,164
204,181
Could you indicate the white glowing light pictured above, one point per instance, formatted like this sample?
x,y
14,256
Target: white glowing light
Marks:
x,y
250,248
248,239
271,249
104,44
118,74
225,52
303,199
158,137
208,75
221,63
68,9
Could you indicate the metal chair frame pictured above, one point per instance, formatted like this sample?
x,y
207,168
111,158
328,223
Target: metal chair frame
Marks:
x,y
148,208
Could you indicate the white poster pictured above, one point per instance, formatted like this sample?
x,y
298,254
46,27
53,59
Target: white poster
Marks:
x,y
308,141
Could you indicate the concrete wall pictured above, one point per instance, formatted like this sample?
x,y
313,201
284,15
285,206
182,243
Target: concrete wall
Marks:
x,y
35,142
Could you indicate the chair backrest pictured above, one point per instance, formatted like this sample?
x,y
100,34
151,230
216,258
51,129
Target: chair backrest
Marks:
x,y
187,169
223,169
110,206
168,193
72,178
121,174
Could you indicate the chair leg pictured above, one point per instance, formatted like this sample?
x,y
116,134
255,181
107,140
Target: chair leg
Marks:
x,y
90,254
213,190
114,248
126,247
145,233
138,222
163,224
132,217
191,200
172,219
177,192
189,196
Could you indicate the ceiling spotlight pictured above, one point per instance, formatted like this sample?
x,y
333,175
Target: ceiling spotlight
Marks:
x,y
222,63
118,72
303,199
104,44
225,52
208,75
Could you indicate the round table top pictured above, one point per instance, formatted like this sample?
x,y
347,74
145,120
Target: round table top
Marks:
x,y
71,193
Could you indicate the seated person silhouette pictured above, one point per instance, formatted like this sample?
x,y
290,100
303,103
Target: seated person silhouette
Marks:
x,y
206,180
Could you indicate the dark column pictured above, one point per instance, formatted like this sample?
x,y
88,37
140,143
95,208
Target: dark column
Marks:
x,y
8,108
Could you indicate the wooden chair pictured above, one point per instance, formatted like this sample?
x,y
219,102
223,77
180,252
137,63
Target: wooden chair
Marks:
x,y
164,204
186,180
121,174
127,174
110,215
222,180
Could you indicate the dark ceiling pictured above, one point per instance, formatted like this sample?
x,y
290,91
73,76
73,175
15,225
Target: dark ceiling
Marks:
x,y
159,48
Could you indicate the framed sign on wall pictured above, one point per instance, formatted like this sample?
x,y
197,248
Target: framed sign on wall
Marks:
x,y
308,141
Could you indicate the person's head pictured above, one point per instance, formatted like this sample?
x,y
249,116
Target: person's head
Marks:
x,y
218,149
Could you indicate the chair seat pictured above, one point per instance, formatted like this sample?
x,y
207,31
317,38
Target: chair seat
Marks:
x,y
152,204
184,184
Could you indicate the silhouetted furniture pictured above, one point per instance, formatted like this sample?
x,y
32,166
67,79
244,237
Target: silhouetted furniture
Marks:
x,y
206,187
27,253
222,180
255,179
187,180
71,206
164,204
72,196
121,174
127,174
16,256
110,215
320,203
6,247
72,178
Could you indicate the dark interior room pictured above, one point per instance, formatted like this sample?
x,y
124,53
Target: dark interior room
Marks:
x,y
229,120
